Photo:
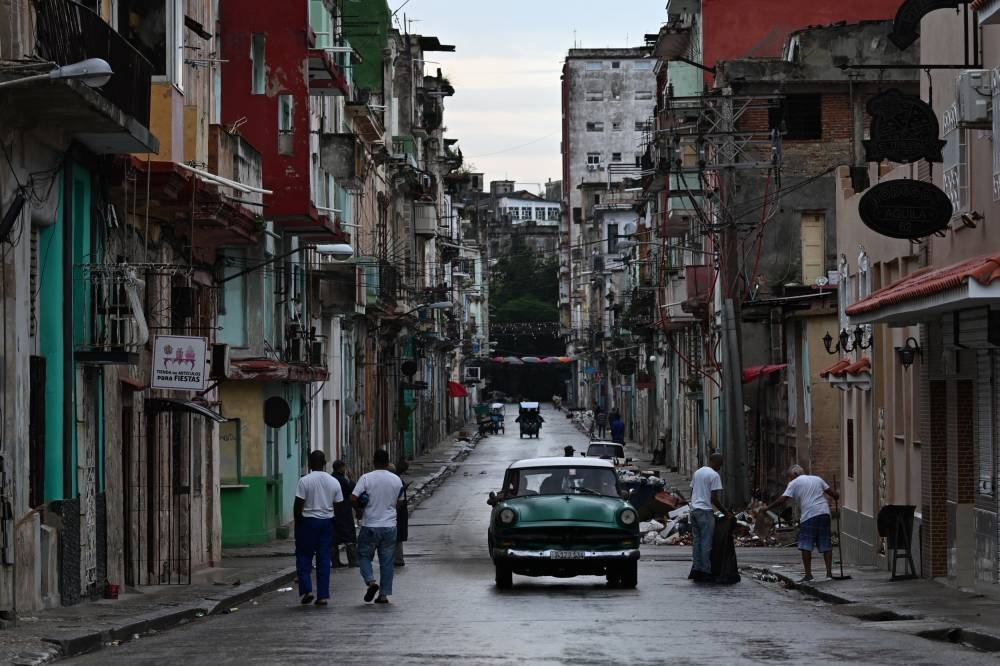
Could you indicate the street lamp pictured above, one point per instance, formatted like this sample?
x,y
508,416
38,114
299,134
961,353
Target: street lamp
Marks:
x,y
93,71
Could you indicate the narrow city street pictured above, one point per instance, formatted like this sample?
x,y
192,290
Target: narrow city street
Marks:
x,y
446,608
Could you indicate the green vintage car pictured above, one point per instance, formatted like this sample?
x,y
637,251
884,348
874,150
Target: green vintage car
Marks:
x,y
563,517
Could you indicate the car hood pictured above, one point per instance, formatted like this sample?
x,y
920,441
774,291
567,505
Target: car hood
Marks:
x,y
548,508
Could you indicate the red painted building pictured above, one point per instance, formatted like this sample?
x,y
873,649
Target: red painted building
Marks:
x,y
273,61
758,28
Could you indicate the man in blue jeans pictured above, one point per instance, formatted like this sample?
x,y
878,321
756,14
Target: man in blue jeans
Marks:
x,y
377,494
810,492
315,496
706,496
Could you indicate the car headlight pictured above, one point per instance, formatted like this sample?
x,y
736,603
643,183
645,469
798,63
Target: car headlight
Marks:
x,y
507,516
628,516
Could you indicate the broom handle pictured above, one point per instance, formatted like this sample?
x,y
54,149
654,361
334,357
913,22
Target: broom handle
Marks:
x,y
840,538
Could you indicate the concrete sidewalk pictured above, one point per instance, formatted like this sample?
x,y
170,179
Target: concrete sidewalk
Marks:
x,y
923,608
241,575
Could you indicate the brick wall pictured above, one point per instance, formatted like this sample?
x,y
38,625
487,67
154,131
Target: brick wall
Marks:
x,y
934,480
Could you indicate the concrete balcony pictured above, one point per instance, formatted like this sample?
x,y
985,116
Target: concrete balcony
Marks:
x,y
112,119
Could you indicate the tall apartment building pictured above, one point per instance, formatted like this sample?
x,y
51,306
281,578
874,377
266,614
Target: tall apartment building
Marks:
x,y
608,98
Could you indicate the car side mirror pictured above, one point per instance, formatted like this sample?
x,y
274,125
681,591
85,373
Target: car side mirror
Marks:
x,y
492,501
625,494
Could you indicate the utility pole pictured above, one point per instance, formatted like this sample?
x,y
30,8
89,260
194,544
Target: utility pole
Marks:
x,y
732,419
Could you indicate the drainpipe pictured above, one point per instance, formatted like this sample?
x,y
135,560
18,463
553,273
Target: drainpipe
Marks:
x,y
69,398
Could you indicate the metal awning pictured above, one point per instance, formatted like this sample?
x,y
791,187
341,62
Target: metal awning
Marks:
x,y
175,405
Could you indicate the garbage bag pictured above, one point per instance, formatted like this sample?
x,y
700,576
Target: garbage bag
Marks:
x,y
724,566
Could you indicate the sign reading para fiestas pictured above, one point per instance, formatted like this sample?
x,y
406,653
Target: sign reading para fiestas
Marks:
x,y
179,363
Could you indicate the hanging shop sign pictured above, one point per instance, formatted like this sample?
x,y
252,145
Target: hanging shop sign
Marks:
x,y
906,26
904,129
179,363
905,209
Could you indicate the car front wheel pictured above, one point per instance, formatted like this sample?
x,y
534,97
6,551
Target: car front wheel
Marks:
x,y
628,575
504,576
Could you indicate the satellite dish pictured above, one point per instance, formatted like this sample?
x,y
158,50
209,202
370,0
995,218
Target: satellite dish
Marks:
x,y
350,407
629,229
276,412
409,368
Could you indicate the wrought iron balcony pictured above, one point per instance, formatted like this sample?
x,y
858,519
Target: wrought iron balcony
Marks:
x,y
117,329
69,32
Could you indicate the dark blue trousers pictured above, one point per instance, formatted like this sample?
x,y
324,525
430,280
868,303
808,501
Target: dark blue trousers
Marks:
x,y
313,538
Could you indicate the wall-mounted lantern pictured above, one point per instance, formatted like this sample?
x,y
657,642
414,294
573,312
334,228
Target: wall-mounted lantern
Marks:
x,y
908,352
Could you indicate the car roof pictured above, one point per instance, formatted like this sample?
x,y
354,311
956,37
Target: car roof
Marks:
x,y
561,462
604,443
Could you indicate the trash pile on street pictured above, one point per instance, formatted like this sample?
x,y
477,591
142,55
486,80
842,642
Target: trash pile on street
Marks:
x,y
664,516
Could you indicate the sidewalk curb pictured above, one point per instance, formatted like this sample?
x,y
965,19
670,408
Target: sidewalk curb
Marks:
x,y
943,629
71,645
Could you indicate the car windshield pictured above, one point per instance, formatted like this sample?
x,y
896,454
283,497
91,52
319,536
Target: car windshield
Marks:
x,y
602,450
561,481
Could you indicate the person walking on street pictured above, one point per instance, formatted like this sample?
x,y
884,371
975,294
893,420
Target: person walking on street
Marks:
x,y
617,429
814,517
706,496
315,497
600,423
344,533
377,495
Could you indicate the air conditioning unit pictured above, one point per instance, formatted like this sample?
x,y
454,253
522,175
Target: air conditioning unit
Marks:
x,y
219,368
473,373
975,98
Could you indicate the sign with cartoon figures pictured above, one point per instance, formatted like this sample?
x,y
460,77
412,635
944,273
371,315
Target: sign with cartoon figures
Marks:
x,y
179,363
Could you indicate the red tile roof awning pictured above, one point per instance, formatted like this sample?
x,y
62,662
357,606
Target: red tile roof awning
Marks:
x,y
758,371
929,291
837,369
846,366
456,390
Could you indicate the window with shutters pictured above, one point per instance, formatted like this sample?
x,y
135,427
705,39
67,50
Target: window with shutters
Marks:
x,y
813,238
955,177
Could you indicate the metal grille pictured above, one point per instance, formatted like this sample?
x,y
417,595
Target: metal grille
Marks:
x,y
69,32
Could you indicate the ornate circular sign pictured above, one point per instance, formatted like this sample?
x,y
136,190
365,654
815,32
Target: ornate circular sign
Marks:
x,y
276,412
904,129
905,209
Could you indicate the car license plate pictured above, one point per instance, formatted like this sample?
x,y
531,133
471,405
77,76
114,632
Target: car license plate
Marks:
x,y
566,555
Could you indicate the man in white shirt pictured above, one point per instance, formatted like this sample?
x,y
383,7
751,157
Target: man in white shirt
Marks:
x,y
315,496
814,517
377,493
706,496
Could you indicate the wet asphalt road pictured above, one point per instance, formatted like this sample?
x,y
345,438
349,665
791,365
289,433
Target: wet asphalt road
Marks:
x,y
446,609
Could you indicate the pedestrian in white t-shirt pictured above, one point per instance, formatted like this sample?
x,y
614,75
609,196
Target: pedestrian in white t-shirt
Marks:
x,y
706,496
315,495
378,494
814,517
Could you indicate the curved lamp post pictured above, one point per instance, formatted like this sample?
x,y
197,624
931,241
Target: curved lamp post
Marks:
x,y
93,71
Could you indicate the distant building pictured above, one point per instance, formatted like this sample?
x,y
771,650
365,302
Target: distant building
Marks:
x,y
608,98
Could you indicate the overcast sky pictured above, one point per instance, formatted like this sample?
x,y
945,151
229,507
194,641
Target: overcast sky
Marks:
x,y
509,55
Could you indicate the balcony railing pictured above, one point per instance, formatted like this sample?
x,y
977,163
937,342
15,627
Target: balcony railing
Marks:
x,y
69,32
